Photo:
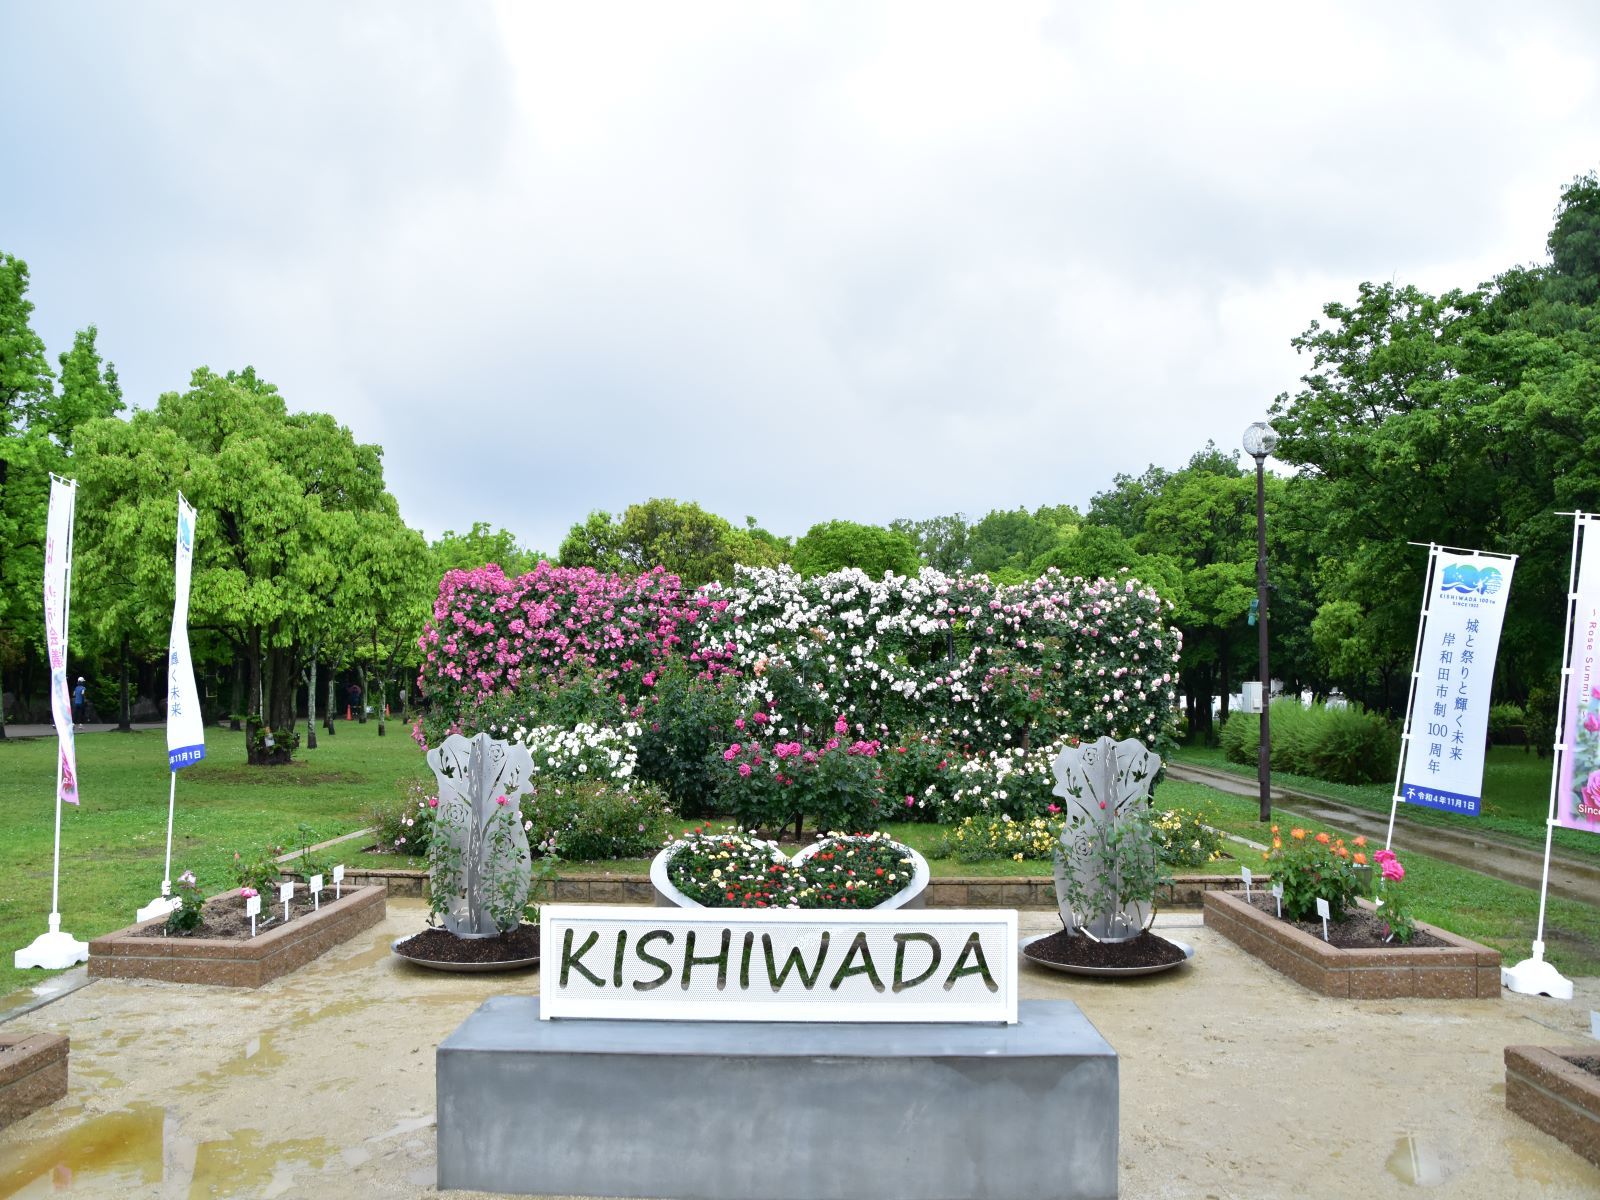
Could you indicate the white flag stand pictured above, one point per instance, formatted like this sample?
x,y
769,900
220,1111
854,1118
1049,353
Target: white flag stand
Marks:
x,y
55,950
166,902
1533,976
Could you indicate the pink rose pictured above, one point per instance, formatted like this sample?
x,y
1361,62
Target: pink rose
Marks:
x,y
1591,797
744,770
1591,722
841,726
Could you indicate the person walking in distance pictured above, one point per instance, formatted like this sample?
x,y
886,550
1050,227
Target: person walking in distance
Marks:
x,y
80,703
352,697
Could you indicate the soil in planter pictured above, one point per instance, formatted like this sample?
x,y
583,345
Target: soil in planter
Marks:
x,y
1589,1063
440,945
224,917
1146,950
1360,930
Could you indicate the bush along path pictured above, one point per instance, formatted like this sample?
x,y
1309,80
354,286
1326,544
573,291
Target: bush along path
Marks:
x,y
1491,854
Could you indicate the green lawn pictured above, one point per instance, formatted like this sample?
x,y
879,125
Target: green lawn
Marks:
x,y
1516,796
112,845
1498,914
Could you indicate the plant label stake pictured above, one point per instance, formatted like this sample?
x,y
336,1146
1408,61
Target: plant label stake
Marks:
x,y
1277,894
1249,878
316,893
252,909
338,878
1322,911
1594,1024
285,894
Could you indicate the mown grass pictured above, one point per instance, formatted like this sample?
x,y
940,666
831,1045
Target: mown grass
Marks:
x,y
1516,796
1498,914
113,843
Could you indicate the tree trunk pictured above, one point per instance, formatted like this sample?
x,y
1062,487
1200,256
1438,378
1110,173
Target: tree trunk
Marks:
x,y
381,705
125,724
328,724
311,702
237,707
274,689
361,677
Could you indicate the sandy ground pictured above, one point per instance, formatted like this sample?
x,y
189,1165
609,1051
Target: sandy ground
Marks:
x,y
1235,1083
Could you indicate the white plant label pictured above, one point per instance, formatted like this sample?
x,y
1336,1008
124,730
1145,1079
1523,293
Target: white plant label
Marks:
x,y
1594,1024
338,878
1324,912
1277,894
252,909
1246,874
286,894
316,892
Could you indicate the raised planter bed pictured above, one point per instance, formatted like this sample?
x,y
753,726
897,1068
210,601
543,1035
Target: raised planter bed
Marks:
x,y
243,962
1546,1088
1459,970
33,1073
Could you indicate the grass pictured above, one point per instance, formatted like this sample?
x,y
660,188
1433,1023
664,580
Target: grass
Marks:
x,y
1516,796
113,844
1498,914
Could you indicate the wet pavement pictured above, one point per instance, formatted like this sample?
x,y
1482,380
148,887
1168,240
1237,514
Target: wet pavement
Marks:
x,y
1235,1083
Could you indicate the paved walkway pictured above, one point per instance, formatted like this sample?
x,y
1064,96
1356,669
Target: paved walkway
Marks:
x,y
1235,1083
1488,853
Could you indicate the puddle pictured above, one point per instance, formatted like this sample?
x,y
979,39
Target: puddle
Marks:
x,y
372,955
1531,1163
1415,1162
242,1165
122,1148
259,1055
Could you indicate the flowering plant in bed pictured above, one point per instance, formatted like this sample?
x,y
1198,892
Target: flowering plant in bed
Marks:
x,y
734,870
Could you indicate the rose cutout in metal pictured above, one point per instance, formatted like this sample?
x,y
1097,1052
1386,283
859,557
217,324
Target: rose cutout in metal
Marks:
x,y
485,861
1105,786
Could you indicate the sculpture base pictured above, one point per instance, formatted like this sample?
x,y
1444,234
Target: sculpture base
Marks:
x,y
727,1110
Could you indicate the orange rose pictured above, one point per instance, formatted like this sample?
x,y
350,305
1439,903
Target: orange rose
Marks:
x,y
1323,838
1277,843
1274,829
1299,834
1361,859
1361,841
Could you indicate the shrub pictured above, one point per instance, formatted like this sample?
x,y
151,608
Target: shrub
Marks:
x,y
258,870
1311,865
1342,745
685,724
1018,783
401,825
191,904
917,777
582,752
1508,725
1184,839
988,838
834,781
591,819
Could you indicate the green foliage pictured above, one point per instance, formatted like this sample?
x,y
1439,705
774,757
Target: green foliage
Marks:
x,y
186,918
593,819
1508,724
1310,865
258,869
1012,541
685,723
1185,838
478,547
1343,744
689,542
835,545
987,838
401,823
941,542
1125,869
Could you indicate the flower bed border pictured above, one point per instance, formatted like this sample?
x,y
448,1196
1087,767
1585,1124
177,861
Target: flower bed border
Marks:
x,y
1547,1090
225,962
1460,970
33,1077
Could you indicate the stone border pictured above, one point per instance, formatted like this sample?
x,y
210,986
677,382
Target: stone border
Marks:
x,y
226,962
33,1074
1461,970
953,891
1544,1088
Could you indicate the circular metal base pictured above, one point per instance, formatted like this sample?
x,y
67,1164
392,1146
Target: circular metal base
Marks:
x,y
1104,972
515,964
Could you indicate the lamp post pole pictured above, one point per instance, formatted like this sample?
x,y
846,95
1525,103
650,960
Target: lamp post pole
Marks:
x,y
1259,439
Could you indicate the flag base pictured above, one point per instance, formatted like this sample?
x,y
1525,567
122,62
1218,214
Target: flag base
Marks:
x,y
54,951
1535,977
159,907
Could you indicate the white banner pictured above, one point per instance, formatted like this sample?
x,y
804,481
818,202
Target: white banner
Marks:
x,y
1449,718
186,733
719,964
57,593
1578,798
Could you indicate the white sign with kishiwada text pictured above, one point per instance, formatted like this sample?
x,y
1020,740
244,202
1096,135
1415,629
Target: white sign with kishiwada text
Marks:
x,y
1449,719
777,965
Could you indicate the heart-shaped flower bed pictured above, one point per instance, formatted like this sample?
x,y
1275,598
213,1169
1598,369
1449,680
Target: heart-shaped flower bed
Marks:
x,y
734,870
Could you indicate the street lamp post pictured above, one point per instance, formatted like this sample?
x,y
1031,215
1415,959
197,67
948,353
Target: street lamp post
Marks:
x,y
1259,439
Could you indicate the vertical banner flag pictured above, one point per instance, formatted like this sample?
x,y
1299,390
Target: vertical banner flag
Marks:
x,y
57,574
1449,717
1578,797
186,735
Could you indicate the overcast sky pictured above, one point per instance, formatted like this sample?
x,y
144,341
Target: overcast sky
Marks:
x,y
798,261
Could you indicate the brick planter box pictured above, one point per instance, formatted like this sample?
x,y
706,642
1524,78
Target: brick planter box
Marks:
x,y
248,962
33,1073
1544,1088
1461,970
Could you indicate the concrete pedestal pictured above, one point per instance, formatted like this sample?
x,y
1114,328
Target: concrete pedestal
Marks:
x,y
679,1110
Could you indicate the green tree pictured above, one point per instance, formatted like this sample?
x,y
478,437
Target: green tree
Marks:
x,y
835,545
1016,538
681,536
478,547
941,542
262,480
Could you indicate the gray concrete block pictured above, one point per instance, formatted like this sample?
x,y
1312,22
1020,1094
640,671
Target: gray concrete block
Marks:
x,y
731,1110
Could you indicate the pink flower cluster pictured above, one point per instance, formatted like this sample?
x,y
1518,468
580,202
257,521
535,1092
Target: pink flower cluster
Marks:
x,y
1393,872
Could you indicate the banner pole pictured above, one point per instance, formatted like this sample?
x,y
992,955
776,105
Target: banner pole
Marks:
x,y
172,803
66,618
1411,692
1533,976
